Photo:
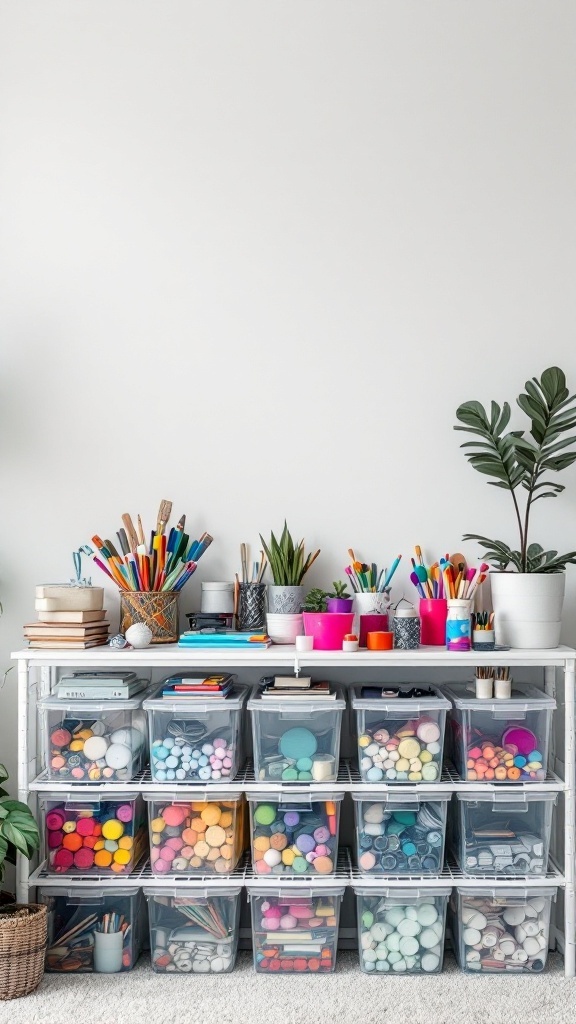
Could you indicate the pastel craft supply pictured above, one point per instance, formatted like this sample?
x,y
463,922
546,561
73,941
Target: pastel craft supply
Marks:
x,y
295,933
501,932
397,756
296,738
294,836
391,840
193,934
398,936
83,835
92,748
191,836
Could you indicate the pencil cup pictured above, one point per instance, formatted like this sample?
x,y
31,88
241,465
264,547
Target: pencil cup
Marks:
x,y
483,639
157,609
252,607
433,612
108,952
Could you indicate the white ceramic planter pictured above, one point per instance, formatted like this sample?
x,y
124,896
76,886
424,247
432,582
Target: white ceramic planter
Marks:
x,y
285,600
528,608
283,629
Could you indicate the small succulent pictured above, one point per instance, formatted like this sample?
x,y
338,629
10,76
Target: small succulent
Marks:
x,y
340,591
316,600
286,559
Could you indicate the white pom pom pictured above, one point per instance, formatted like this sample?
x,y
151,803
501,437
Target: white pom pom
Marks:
x,y
138,635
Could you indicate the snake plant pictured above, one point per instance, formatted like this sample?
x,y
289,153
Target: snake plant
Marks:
x,y
286,559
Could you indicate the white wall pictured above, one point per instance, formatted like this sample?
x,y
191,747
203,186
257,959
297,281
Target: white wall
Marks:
x,y
255,254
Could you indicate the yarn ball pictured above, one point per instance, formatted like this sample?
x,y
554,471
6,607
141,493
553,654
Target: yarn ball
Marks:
x,y
138,635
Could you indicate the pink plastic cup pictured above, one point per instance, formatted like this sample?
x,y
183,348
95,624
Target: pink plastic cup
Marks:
x,y
433,614
328,628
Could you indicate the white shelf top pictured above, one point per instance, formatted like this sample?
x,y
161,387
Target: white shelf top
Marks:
x,y
281,655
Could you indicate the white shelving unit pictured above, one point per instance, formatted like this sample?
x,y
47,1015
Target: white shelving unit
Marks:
x,y
37,673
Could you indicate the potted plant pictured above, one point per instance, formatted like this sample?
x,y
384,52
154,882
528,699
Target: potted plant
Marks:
x,y
22,927
327,628
339,600
288,566
528,584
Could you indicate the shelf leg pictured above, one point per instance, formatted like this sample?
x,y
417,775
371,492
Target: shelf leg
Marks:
x,y
569,823
22,867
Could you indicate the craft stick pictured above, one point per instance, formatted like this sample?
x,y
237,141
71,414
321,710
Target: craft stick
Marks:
x,y
164,513
131,532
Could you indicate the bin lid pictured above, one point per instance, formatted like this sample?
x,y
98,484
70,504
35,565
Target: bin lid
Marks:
x,y
403,707
83,795
202,891
82,708
188,796
299,705
96,890
501,892
294,892
291,796
405,795
524,698
411,895
507,797
197,704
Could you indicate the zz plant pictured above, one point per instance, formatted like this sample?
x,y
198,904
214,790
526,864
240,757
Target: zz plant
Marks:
x,y
521,461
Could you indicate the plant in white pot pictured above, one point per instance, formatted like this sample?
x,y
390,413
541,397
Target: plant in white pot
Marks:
x,y
288,567
528,586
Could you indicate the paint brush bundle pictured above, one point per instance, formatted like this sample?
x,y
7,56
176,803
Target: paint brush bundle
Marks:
x,y
449,577
165,563
365,578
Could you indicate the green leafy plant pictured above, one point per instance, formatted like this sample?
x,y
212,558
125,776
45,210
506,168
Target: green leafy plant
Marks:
x,y
286,559
340,591
316,600
522,461
18,830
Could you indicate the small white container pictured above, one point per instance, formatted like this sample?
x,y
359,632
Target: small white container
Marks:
x,y
108,952
483,639
283,629
503,689
217,598
484,688
304,643
350,646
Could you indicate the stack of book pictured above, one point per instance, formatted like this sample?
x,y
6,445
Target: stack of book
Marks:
x,y
185,687
296,688
68,616
100,686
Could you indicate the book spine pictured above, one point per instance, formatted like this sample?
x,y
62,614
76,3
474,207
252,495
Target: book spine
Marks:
x,y
95,693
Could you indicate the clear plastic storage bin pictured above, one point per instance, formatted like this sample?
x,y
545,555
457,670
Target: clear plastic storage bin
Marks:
x,y
93,740
193,931
295,931
500,930
400,833
93,929
400,738
503,833
296,740
88,833
294,834
196,740
196,833
401,930
500,740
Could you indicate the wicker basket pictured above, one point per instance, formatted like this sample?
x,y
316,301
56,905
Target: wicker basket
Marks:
x,y
23,933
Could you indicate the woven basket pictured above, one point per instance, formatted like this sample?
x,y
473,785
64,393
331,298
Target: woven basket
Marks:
x,y
23,934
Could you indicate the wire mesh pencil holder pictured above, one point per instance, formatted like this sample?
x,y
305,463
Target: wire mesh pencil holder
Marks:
x,y
156,609
252,607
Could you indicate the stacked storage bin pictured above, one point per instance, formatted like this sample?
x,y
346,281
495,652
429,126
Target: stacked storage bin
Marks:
x,y
502,829
400,828
294,833
197,831
88,835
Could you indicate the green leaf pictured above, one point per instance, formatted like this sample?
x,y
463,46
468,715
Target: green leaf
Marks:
x,y
3,773
14,836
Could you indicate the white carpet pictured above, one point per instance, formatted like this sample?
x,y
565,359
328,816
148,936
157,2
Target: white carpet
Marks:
x,y
346,997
